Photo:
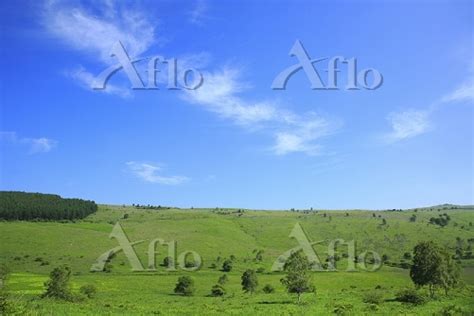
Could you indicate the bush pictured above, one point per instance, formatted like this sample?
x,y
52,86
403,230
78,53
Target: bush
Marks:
x,y
342,309
88,290
227,265
222,279
452,310
411,296
185,286
373,297
168,262
217,290
268,289
261,270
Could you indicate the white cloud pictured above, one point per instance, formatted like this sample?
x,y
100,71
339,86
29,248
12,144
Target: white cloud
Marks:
x,y
86,80
465,92
97,32
220,94
198,13
150,173
411,123
40,145
407,124
36,145
303,134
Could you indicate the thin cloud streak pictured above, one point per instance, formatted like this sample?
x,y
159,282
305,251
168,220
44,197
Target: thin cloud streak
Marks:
x,y
151,173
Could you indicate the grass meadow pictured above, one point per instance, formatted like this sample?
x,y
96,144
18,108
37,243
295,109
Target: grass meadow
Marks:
x,y
32,249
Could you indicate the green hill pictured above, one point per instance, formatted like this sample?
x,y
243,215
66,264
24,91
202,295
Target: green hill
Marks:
x,y
32,249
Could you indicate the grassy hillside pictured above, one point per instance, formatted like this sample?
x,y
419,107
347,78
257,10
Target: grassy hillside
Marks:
x,y
31,250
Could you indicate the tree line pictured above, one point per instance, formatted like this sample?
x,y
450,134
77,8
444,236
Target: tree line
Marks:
x,y
37,206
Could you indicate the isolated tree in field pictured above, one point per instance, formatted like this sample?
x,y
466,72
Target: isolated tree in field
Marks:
x,y
227,265
433,267
185,286
297,278
249,281
58,284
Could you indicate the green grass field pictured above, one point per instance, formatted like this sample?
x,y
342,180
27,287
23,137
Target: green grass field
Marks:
x,y
32,249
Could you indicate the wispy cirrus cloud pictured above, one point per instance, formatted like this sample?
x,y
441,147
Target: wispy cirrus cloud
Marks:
x,y
407,124
36,145
465,92
152,173
86,80
221,92
410,123
96,32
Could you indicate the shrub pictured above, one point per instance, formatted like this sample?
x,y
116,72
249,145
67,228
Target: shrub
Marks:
x,y
185,286
89,290
227,265
168,262
260,270
373,297
222,279
452,310
268,289
342,309
217,290
411,296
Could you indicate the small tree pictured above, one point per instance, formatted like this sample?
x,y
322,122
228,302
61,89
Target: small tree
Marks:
x,y
249,281
58,284
434,267
185,286
297,279
227,265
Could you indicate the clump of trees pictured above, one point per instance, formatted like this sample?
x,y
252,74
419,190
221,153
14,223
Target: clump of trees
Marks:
x,y
442,220
297,279
434,267
37,206
185,286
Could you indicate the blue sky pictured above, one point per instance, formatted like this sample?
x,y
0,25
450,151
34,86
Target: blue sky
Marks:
x,y
234,141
